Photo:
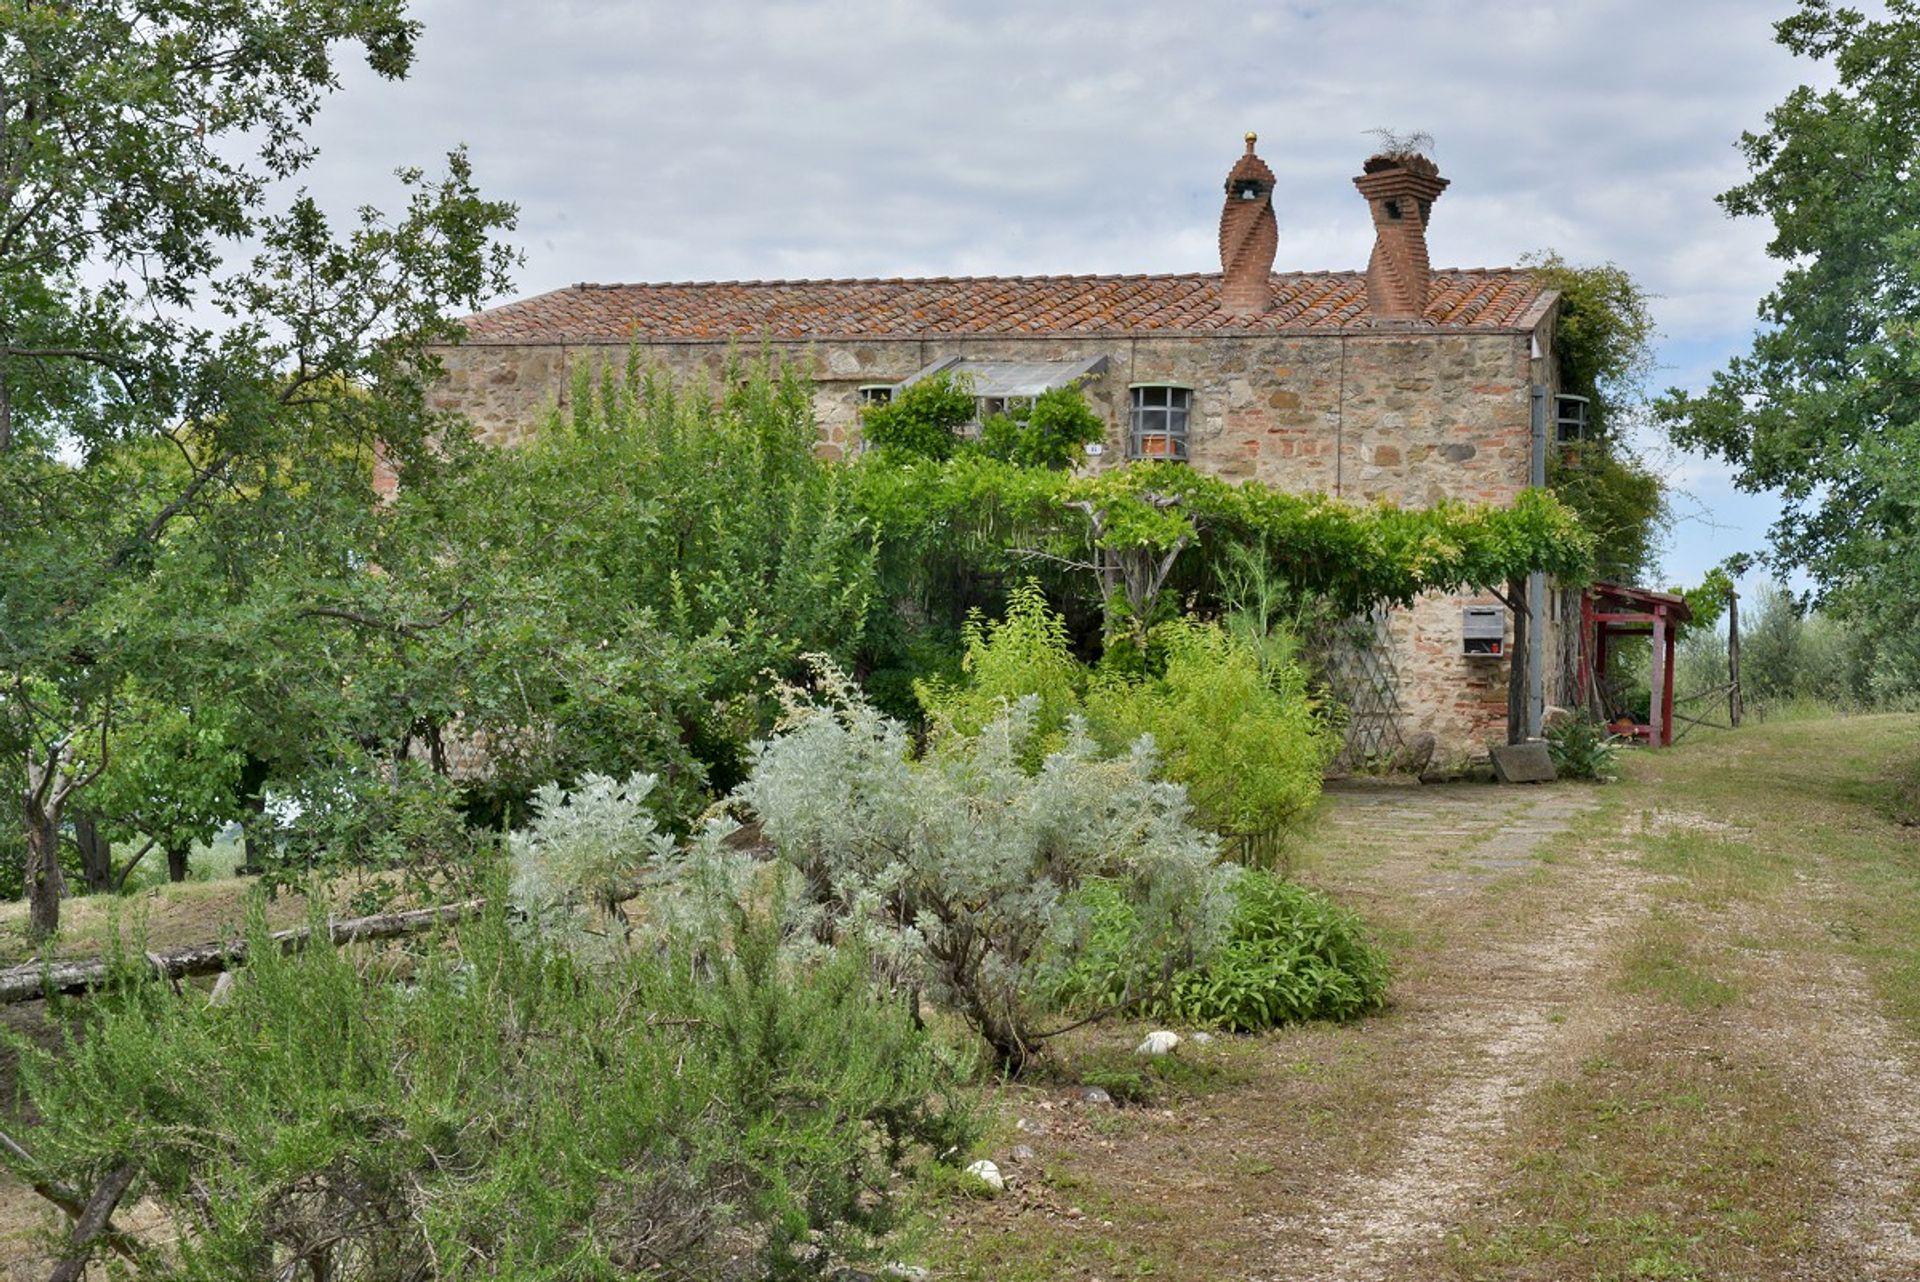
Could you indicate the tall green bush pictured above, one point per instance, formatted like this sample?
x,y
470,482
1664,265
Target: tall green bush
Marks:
x,y
1229,712
620,586
1244,736
1024,653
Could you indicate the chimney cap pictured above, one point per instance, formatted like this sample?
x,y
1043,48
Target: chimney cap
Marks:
x,y
1250,167
1410,161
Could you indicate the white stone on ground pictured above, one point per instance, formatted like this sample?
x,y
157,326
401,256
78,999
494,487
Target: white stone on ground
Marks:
x,y
1160,1043
988,1174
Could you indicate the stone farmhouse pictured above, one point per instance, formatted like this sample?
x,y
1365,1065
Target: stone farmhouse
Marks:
x,y
1402,382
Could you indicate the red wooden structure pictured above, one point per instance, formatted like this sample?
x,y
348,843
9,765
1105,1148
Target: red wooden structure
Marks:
x,y
1609,610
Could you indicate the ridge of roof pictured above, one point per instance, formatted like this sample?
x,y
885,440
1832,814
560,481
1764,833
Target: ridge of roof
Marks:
x,y
797,281
1473,299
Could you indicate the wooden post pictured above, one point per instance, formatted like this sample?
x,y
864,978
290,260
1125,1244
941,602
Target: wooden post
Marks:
x,y
1601,638
1666,696
1517,663
1583,662
1733,658
1658,726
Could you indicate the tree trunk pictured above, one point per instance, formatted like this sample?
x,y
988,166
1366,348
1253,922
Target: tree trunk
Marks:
x,y
45,886
1734,708
177,862
36,980
254,837
1517,678
44,799
96,854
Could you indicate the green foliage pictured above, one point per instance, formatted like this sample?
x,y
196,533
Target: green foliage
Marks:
x,y
690,542
581,856
922,420
1023,654
1604,341
505,1114
1619,500
1229,715
1236,727
1146,515
1582,748
1790,655
958,870
369,819
1825,407
1707,602
1053,432
195,376
1289,954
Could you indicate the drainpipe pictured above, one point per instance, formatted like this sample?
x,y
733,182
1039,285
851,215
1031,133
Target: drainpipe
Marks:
x,y
1537,581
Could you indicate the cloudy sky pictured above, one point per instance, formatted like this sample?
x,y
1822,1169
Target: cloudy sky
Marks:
x,y
671,140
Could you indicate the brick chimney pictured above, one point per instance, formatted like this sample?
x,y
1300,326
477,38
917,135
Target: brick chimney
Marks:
x,y
1400,190
1248,237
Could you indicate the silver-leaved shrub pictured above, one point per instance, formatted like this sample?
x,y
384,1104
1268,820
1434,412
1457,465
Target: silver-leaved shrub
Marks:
x,y
959,869
585,851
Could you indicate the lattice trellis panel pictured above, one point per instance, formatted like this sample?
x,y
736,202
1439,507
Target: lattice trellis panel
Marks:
x,y
1357,662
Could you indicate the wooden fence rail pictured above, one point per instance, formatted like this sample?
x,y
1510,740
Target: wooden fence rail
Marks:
x,y
42,979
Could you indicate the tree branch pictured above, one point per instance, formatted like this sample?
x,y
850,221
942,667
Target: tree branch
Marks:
x,y
92,1220
178,505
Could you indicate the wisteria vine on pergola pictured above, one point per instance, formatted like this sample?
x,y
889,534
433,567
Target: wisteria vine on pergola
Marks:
x,y
1130,526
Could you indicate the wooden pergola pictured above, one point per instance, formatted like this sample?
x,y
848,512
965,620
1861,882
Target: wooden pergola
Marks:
x,y
1609,610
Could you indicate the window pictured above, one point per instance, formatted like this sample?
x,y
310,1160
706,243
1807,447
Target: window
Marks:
x,y
876,393
1159,428
1012,406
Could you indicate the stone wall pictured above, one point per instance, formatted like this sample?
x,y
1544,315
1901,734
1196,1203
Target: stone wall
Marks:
x,y
1406,416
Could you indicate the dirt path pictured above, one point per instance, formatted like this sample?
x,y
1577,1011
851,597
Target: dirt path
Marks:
x,y
1662,1030
1508,1015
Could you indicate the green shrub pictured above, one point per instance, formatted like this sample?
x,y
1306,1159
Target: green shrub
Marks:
x,y
1289,954
1053,432
508,1115
959,869
922,419
1243,735
1229,712
1582,748
385,826
1022,654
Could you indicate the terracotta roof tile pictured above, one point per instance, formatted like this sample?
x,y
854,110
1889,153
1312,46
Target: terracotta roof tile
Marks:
x,y
1480,299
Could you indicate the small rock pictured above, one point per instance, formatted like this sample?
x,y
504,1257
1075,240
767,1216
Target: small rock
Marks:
x,y
222,990
1023,1153
1160,1043
905,1273
988,1174
1027,1126
1095,1095
1201,1039
1074,1213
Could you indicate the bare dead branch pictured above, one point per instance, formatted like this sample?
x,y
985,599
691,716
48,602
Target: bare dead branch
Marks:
x,y
93,1219
32,982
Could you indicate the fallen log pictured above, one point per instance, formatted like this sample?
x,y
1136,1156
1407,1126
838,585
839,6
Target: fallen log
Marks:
x,y
42,979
